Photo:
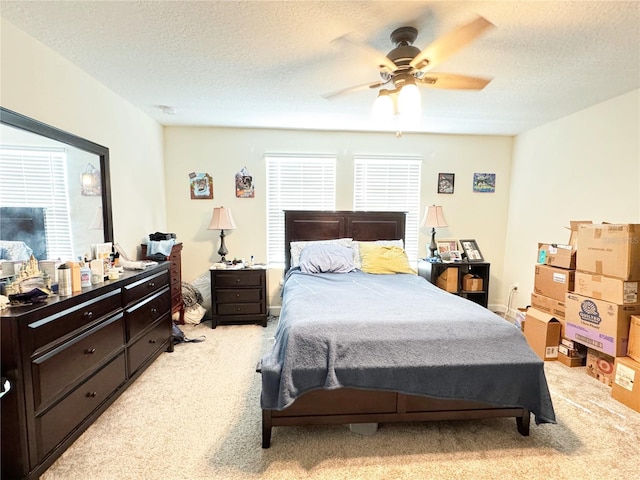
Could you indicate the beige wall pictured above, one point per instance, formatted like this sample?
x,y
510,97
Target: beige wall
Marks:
x,y
222,152
585,166
39,83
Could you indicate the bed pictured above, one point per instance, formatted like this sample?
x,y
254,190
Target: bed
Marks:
x,y
357,348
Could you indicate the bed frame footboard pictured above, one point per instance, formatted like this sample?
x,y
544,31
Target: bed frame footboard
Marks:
x,y
345,406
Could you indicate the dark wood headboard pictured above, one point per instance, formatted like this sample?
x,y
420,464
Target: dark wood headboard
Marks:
x,y
304,225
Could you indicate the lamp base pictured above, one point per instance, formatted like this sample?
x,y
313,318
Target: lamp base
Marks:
x,y
433,246
222,251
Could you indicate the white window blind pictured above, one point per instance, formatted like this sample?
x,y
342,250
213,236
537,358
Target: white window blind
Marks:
x,y
296,182
390,184
37,178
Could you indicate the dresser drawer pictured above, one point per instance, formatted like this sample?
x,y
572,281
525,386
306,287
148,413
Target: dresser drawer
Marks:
x,y
61,420
149,343
240,309
61,324
145,287
240,295
143,314
60,368
236,279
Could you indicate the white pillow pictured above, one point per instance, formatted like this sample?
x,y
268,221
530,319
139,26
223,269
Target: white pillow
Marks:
x,y
296,247
357,259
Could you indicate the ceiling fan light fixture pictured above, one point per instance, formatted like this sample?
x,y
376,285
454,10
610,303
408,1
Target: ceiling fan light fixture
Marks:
x,y
384,106
410,102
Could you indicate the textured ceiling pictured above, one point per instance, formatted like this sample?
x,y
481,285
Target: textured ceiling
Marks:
x,y
267,63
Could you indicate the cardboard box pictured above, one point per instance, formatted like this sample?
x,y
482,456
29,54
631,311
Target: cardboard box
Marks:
x,y
575,361
542,332
472,283
611,289
600,366
574,226
448,280
633,348
626,382
601,325
553,282
557,255
610,249
548,305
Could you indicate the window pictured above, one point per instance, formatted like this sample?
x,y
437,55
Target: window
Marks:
x,y
296,182
390,184
32,177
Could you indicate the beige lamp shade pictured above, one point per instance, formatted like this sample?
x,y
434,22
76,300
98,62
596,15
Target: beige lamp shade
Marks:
x,y
434,217
221,219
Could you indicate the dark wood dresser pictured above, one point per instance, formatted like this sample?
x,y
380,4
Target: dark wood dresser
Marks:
x,y
177,305
68,358
239,296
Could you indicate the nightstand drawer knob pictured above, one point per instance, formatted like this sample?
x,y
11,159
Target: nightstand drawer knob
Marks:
x,y
238,309
237,295
237,280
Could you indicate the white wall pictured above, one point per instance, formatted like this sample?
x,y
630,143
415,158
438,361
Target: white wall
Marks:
x,y
222,152
585,166
39,83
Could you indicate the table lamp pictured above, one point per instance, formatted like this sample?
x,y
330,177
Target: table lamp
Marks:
x,y
222,220
434,217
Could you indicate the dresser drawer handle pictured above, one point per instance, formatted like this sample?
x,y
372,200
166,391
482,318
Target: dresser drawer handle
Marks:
x,y
151,284
154,310
92,394
152,341
87,315
237,280
90,351
237,295
238,309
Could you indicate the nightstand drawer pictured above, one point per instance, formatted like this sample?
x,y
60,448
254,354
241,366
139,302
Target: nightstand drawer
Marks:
x,y
241,295
240,309
236,279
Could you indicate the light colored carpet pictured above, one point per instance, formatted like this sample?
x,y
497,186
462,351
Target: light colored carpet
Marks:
x,y
194,414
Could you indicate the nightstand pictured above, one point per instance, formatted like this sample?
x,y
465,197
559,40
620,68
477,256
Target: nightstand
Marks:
x,y
239,296
432,271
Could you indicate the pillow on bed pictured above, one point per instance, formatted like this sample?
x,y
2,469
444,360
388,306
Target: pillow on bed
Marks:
x,y
356,248
384,259
297,247
326,259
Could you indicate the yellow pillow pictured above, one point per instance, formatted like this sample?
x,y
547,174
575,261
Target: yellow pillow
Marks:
x,y
384,259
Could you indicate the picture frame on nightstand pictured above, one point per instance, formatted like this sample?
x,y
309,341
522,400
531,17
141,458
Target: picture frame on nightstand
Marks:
x,y
471,251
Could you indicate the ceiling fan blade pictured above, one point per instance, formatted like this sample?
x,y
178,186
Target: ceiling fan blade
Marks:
x,y
356,88
380,58
450,43
453,81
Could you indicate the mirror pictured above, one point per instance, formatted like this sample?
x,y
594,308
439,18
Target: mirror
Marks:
x,y
76,194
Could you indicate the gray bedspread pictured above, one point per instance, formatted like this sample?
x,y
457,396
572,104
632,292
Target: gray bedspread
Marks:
x,y
397,333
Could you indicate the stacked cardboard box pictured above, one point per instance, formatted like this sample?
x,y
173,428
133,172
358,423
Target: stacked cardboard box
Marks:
x,y
599,311
554,278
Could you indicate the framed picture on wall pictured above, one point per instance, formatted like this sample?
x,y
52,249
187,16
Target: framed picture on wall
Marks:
x,y
446,182
484,182
201,186
471,251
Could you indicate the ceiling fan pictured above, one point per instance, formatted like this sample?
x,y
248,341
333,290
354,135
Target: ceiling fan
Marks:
x,y
407,65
